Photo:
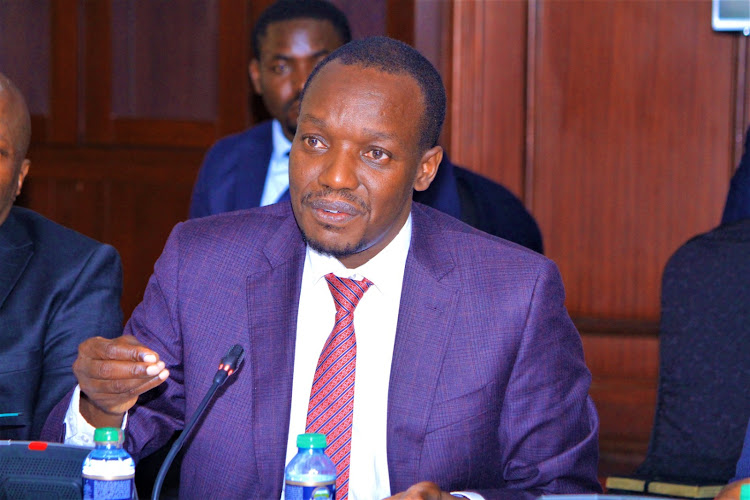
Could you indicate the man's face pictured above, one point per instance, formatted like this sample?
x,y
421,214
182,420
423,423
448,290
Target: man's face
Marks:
x,y
288,53
12,168
356,159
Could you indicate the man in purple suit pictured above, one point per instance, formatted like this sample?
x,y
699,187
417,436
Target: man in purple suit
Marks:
x,y
470,375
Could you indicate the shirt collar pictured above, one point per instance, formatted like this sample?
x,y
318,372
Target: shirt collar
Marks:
x,y
385,270
281,145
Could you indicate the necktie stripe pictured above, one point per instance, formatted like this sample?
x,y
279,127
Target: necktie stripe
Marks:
x,y
340,353
331,407
335,418
334,370
330,397
324,361
326,391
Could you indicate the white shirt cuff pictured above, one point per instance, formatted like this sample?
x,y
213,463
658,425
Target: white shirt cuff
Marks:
x,y
77,430
467,494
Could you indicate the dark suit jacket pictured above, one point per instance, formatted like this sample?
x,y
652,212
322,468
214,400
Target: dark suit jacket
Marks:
x,y
57,288
233,175
488,387
738,199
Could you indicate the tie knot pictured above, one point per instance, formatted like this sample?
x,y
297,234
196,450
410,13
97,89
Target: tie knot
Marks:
x,y
346,292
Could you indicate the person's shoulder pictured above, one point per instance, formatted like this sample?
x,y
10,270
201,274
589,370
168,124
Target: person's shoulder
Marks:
x,y
247,149
734,231
258,135
494,208
468,242
49,235
256,221
485,186
472,260
733,234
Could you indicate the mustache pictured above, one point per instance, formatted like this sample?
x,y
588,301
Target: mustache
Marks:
x,y
328,193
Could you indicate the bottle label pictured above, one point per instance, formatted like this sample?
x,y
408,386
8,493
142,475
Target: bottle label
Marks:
x,y
98,489
301,491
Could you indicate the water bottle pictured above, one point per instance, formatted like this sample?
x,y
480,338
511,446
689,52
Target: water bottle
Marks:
x,y
108,470
310,475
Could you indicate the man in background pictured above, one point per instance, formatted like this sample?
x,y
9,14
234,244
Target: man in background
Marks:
x,y
251,169
57,288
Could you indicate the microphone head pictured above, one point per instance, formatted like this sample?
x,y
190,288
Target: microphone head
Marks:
x,y
233,359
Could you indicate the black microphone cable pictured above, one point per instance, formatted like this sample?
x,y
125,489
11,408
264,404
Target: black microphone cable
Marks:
x,y
228,365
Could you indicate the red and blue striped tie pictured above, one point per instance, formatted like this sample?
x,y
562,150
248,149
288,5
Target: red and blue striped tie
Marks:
x,y
332,396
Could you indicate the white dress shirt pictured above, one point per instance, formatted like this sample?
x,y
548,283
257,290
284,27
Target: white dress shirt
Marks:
x,y
375,321
277,178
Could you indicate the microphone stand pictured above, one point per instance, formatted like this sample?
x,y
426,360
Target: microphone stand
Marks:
x,y
228,365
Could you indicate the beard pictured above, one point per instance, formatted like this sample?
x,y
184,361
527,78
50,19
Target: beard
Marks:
x,y
333,250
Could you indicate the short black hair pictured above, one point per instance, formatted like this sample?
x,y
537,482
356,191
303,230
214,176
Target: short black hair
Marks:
x,y
286,10
394,57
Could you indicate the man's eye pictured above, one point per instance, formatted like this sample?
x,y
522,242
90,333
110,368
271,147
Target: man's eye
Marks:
x,y
313,142
377,154
279,68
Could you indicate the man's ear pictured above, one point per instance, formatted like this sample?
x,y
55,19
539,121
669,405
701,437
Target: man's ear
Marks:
x,y
22,175
253,70
428,167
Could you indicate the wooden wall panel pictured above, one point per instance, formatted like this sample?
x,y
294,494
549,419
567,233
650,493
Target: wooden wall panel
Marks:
x,y
151,72
164,59
488,89
128,198
629,111
623,358
24,49
634,135
366,18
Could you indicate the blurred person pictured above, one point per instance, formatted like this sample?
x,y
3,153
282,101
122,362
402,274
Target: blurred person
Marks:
x,y
57,288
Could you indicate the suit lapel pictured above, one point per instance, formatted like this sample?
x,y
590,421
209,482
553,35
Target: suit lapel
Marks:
x,y
426,314
16,249
273,295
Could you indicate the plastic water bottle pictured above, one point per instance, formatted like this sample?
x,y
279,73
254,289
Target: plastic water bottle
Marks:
x,y
310,475
108,470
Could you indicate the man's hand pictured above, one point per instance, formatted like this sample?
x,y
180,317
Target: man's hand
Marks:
x,y
112,374
423,491
732,490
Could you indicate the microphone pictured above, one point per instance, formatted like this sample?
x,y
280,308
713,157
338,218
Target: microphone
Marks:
x,y
227,366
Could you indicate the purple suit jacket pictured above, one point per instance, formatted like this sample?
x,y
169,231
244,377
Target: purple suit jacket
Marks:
x,y
488,388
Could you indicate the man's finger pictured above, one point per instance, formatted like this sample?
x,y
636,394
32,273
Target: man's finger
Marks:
x,y
122,348
107,389
115,369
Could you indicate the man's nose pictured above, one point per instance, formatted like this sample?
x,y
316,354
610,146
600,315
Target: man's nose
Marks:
x,y
340,170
